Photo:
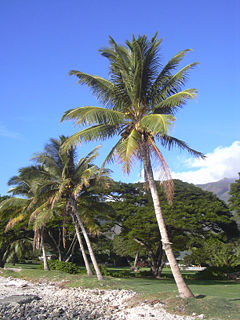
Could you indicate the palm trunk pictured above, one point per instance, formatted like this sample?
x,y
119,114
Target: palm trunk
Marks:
x,y
136,261
3,255
45,262
57,246
90,250
71,249
183,289
87,265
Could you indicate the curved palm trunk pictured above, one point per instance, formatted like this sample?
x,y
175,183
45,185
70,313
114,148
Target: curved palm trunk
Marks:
x,y
183,289
87,265
45,262
3,249
57,245
136,261
71,249
90,250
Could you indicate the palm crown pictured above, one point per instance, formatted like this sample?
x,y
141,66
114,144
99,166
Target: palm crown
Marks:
x,y
67,178
141,99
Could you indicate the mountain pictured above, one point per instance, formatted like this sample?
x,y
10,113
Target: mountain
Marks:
x,y
221,188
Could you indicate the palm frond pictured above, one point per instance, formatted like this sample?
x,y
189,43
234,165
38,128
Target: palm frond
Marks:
x,y
14,221
157,123
169,67
170,104
128,149
88,115
88,158
103,89
13,204
175,82
94,133
170,142
37,211
110,157
42,218
49,162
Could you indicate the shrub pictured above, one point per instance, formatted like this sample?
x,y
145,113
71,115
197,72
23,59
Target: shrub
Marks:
x,y
142,264
122,274
216,273
104,270
146,273
67,267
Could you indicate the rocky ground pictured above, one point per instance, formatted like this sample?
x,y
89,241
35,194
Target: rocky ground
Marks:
x,y
23,300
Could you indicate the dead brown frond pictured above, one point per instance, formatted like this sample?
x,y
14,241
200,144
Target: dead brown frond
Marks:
x,y
14,221
37,239
165,177
36,212
64,229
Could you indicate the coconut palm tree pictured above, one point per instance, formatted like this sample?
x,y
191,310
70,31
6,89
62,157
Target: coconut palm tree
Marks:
x,y
140,99
69,181
25,185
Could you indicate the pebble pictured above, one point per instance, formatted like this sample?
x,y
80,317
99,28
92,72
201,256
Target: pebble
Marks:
x,y
48,301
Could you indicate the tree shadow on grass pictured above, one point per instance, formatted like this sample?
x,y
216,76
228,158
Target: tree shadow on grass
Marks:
x,y
200,296
212,282
234,299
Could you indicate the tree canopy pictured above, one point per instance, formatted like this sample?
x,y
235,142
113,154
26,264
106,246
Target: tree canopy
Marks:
x,y
234,199
194,217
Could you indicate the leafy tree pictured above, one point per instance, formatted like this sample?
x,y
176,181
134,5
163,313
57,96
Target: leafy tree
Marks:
x,y
215,253
234,199
196,216
128,248
141,99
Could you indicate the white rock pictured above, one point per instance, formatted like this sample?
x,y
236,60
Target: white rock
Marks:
x,y
106,304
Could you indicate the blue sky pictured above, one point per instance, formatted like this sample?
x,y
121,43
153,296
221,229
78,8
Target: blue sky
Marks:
x,y
42,40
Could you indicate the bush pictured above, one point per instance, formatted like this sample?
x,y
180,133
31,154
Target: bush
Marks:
x,y
216,273
67,267
146,273
104,270
122,274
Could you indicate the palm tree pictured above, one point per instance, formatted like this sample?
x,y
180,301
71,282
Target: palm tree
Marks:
x,y
25,185
141,98
70,181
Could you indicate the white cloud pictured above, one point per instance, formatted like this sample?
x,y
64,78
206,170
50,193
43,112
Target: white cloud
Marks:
x,y
223,162
4,132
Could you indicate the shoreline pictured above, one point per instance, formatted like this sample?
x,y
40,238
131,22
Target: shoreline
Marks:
x,y
50,301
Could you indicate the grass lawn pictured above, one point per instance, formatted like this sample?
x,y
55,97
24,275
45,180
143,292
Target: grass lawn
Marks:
x,y
218,300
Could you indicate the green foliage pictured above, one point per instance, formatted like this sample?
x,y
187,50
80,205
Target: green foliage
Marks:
x,y
215,253
217,273
10,240
145,273
220,298
67,267
104,270
122,274
196,217
141,98
234,199
125,247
